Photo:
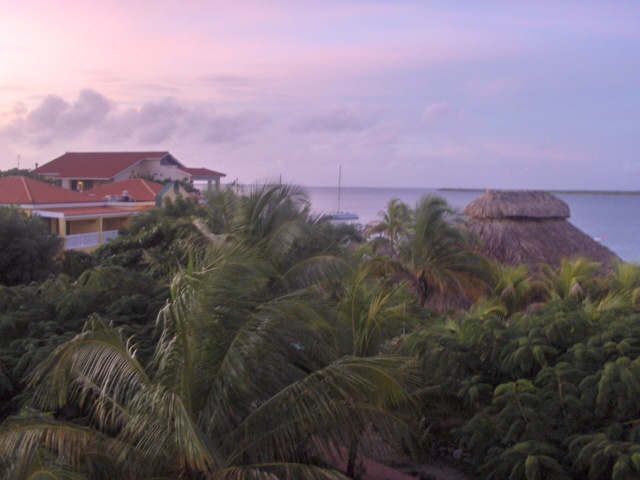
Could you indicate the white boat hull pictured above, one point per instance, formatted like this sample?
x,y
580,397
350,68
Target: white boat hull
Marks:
x,y
344,215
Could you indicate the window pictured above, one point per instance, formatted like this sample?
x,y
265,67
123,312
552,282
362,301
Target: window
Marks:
x,y
81,185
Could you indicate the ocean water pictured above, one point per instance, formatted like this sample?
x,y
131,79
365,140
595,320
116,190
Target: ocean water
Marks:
x,y
614,220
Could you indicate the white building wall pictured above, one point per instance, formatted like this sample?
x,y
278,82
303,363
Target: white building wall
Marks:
x,y
153,168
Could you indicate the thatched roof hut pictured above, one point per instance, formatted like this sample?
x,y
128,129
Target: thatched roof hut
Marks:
x,y
530,227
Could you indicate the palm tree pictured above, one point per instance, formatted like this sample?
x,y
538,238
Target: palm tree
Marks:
x,y
276,218
242,384
575,278
511,288
623,288
393,227
268,211
219,207
369,316
370,313
440,257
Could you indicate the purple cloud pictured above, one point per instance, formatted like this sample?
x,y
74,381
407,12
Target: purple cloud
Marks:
x,y
231,128
92,117
435,112
56,118
351,118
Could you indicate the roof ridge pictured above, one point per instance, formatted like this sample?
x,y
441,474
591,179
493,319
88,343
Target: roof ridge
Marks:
x,y
146,184
124,152
26,189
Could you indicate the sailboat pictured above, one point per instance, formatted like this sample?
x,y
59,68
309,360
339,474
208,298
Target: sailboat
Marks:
x,y
343,214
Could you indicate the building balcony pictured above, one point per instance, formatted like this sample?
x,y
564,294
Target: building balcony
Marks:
x,y
88,240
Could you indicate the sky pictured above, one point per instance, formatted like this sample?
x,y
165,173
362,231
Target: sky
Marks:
x,y
461,94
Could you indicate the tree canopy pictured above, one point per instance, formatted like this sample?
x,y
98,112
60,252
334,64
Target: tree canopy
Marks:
x,y
24,172
27,249
247,338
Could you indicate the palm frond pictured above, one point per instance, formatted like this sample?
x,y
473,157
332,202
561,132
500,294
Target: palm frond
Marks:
x,y
369,313
278,471
338,396
99,358
162,435
317,269
283,332
35,443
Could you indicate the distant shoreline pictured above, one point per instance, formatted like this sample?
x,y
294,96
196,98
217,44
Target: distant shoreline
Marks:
x,y
481,190
565,192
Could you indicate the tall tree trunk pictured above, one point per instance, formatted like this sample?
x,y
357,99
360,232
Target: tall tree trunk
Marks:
x,y
423,289
352,457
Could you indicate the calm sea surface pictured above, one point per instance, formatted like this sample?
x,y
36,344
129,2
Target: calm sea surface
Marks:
x,y
613,219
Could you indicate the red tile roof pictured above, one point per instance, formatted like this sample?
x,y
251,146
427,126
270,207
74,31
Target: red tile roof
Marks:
x,y
25,190
202,172
139,189
95,165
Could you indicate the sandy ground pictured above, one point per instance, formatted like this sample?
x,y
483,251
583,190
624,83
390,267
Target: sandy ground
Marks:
x,y
376,471
404,469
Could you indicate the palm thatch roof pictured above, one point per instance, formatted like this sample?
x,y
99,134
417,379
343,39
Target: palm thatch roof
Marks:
x,y
517,204
530,227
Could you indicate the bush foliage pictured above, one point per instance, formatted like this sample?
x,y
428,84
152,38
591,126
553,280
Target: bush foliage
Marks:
x,y
27,250
238,331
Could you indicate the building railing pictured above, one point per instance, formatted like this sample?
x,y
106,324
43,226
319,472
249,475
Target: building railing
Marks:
x,y
84,240
109,235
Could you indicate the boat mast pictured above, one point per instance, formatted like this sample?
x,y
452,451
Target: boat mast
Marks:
x,y
339,185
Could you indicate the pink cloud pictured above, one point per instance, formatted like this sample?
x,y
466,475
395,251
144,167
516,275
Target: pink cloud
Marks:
x,y
343,118
94,116
435,112
533,151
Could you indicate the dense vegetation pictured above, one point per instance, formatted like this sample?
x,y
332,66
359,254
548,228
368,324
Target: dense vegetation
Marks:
x,y
25,172
26,248
250,339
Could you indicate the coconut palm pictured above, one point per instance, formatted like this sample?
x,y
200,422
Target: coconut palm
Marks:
x,y
623,288
392,228
276,218
219,208
439,255
369,315
575,278
512,288
370,312
269,211
243,384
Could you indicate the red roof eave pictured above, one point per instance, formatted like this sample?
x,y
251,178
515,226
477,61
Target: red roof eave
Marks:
x,y
87,212
202,172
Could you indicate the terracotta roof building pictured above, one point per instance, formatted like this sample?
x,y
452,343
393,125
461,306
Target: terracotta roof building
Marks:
x,y
84,222
85,219
201,174
136,189
86,170
25,191
139,193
